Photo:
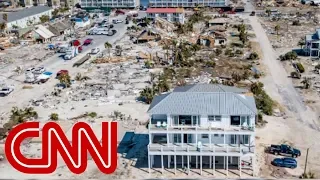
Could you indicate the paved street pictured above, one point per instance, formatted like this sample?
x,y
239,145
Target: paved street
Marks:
x,y
21,97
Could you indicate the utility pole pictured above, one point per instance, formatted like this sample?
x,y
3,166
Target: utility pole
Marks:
x,y
305,165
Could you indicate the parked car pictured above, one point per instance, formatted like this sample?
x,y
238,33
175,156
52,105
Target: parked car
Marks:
x,y
112,32
31,69
95,51
285,162
253,13
39,70
87,42
6,90
116,21
284,149
102,33
80,49
119,12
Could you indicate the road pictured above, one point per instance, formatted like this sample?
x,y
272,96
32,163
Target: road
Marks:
x,y
21,97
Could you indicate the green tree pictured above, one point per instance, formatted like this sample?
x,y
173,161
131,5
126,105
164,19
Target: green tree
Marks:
x,y
55,12
243,36
277,28
108,46
44,18
54,116
242,28
147,94
65,79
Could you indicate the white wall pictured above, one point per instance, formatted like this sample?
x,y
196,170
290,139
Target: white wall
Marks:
x,y
22,23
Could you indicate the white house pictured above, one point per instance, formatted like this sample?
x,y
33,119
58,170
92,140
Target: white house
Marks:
x,y
170,14
202,126
26,17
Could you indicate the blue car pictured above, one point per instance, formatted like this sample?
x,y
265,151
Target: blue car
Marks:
x,y
285,162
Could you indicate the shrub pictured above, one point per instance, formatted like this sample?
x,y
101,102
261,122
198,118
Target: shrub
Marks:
x,y
289,56
218,51
263,101
238,51
253,56
295,74
236,44
54,116
296,23
92,114
210,64
300,67
227,52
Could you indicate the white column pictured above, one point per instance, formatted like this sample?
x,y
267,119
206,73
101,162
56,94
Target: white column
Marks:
x,y
224,140
196,162
161,163
169,161
188,164
182,140
149,162
240,164
182,162
210,139
227,166
201,164
210,164
214,166
175,163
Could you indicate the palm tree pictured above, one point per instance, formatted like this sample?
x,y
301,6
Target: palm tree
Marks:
x,y
268,11
108,46
301,43
306,82
65,79
242,28
277,28
5,17
3,26
147,94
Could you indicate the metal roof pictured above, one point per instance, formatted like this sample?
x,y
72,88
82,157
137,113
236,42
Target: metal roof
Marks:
x,y
198,99
209,88
13,16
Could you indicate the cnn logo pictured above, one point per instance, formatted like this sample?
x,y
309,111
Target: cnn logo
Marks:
x,y
54,140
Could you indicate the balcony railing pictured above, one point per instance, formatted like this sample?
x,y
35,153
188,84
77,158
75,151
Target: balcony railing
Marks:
x,y
212,148
165,127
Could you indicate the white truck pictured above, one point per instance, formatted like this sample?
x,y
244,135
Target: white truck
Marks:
x,y
6,90
71,53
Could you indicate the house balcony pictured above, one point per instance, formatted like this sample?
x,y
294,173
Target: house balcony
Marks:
x,y
197,129
205,149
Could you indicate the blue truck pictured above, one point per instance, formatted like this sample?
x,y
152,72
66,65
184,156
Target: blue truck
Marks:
x,y
285,150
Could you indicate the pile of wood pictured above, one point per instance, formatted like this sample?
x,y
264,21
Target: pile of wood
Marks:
x,y
111,60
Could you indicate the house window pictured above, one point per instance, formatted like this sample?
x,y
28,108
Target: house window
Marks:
x,y
216,135
214,118
176,138
205,136
222,135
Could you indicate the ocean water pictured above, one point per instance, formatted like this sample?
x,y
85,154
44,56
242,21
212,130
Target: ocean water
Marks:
x,y
144,3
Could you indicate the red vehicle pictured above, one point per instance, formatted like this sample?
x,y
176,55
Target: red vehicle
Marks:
x,y
80,49
87,42
75,43
62,72
120,12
